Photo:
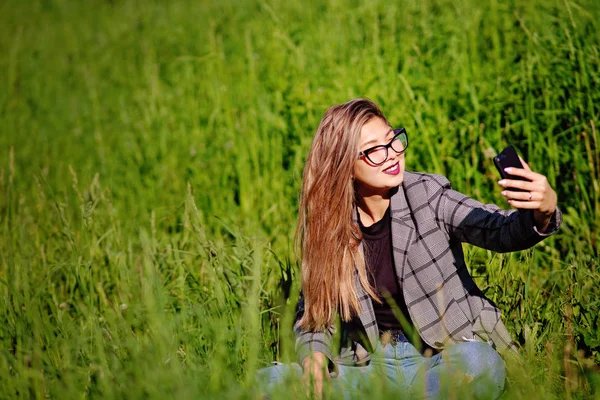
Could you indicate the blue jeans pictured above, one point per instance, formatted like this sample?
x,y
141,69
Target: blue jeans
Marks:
x,y
469,369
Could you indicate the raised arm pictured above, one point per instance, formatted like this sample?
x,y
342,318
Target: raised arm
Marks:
x,y
489,227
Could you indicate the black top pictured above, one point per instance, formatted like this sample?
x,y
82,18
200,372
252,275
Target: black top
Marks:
x,y
377,244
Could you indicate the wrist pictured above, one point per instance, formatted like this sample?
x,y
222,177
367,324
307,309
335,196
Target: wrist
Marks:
x,y
542,220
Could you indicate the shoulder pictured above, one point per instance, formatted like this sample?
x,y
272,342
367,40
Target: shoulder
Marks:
x,y
423,182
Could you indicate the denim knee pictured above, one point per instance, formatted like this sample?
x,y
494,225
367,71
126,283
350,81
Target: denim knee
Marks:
x,y
482,363
275,375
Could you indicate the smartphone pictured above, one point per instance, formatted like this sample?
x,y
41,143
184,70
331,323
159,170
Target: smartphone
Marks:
x,y
509,158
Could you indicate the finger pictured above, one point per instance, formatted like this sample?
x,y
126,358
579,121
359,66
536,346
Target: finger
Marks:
x,y
528,205
311,384
525,165
319,389
521,196
516,184
527,174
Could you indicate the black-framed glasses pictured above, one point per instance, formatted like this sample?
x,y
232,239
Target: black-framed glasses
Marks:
x,y
379,154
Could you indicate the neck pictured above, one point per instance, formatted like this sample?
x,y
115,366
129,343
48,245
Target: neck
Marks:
x,y
372,206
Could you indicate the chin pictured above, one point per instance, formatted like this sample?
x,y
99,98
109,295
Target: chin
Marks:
x,y
395,180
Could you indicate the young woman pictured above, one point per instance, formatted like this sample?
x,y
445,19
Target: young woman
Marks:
x,y
382,260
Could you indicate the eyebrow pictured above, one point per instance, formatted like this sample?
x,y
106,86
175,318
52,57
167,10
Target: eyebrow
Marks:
x,y
375,140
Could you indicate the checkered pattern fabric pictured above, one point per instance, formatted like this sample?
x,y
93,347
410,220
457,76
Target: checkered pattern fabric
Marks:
x,y
429,223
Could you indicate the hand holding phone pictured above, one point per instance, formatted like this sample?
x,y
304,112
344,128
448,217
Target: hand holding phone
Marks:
x,y
509,158
527,189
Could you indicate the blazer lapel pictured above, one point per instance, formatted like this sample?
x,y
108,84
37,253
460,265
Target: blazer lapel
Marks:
x,y
403,229
367,313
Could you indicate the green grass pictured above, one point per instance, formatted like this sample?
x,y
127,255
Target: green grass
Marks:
x,y
151,157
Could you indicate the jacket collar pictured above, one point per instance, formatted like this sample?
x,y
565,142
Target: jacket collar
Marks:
x,y
399,202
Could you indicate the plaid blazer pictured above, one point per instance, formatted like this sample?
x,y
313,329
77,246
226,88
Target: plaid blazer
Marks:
x,y
429,223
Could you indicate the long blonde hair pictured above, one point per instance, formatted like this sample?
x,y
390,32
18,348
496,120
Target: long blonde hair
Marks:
x,y
327,236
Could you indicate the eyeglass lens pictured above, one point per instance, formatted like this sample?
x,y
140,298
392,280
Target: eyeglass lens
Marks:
x,y
380,154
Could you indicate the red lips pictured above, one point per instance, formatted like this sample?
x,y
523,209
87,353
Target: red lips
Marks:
x,y
394,169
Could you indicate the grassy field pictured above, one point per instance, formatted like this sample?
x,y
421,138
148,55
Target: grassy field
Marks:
x,y
151,157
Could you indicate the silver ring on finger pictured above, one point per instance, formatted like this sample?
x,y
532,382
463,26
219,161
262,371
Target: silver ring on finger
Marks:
x,y
530,196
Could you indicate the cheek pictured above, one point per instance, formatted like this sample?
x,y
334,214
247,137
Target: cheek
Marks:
x,y
364,173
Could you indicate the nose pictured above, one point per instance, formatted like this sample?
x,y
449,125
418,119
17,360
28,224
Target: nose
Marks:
x,y
393,156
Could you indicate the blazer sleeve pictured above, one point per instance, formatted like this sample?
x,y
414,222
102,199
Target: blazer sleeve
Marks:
x,y
486,225
308,342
